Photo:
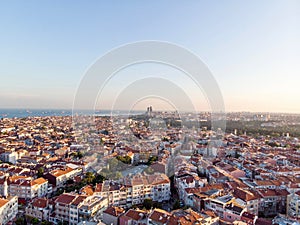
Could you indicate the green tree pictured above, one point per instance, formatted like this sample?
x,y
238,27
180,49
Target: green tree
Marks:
x,y
89,176
35,221
98,179
41,171
152,159
148,203
79,155
20,221
124,159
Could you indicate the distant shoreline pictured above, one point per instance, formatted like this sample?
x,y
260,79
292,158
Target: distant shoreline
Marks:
x,y
23,113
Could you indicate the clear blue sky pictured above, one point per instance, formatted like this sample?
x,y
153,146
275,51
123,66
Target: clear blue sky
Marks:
x,y
252,47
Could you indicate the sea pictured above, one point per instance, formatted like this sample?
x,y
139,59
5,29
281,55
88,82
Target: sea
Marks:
x,y
22,113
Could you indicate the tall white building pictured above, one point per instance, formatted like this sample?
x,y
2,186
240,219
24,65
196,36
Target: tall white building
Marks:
x,y
293,205
26,188
134,190
8,209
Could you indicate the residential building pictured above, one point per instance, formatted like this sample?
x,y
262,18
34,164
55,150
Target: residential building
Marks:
x,y
111,215
293,205
26,188
8,209
133,217
39,208
74,208
60,176
135,189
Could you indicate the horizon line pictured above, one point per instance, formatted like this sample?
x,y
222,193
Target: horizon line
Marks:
x,y
157,110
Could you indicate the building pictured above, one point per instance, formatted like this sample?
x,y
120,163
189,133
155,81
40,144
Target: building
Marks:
x,y
26,188
59,177
293,205
39,208
249,199
158,217
90,206
272,202
134,190
8,209
111,215
133,217
3,186
74,208
63,208
10,157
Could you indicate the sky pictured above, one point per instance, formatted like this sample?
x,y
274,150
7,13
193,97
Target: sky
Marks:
x,y
252,49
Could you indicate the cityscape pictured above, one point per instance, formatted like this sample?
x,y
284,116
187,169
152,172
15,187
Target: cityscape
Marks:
x,y
150,113
250,176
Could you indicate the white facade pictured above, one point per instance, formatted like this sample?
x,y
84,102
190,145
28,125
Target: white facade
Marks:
x,y
8,209
293,205
136,189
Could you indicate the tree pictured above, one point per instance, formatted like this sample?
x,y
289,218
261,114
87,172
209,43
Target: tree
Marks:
x,y
41,171
70,181
157,205
98,179
152,159
237,155
46,223
124,159
89,176
35,221
79,155
148,203
20,221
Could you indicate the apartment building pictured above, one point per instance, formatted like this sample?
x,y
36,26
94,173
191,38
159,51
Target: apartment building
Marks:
x,y
26,188
73,208
218,204
62,207
39,208
41,186
272,201
248,199
133,217
134,190
111,215
293,205
90,206
59,177
8,209
158,217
